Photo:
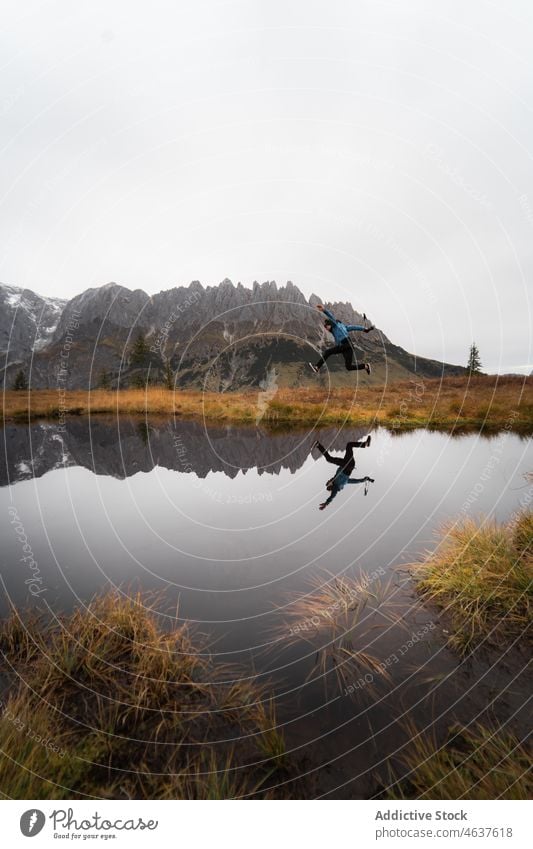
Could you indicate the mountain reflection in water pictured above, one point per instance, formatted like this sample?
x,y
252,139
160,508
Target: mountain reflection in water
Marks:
x,y
121,449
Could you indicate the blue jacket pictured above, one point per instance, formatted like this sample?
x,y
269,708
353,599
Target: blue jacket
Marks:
x,y
339,330
339,482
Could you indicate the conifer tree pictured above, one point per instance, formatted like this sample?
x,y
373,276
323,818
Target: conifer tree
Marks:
x,y
169,375
105,380
474,360
20,381
139,351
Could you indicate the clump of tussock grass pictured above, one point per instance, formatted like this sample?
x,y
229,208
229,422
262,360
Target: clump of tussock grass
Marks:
x,y
480,762
19,638
522,535
481,574
337,619
134,711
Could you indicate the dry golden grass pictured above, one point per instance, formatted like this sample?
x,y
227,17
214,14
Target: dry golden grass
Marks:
x,y
482,576
474,763
451,403
337,619
128,710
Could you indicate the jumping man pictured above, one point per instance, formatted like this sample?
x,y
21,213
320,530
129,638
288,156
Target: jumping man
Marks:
x,y
343,346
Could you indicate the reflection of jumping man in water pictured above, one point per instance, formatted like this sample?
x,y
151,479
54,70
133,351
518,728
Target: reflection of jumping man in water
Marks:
x,y
346,466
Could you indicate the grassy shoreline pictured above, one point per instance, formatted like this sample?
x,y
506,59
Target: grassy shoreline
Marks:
x,y
105,703
481,577
482,403
475,762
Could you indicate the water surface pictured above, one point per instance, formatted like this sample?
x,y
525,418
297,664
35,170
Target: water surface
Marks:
x,y
224,525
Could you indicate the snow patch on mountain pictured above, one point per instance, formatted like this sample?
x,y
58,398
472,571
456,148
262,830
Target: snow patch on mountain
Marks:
x,y
13,298
23,468
27,320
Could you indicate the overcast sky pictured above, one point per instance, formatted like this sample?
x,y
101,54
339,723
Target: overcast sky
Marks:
x,y
377,152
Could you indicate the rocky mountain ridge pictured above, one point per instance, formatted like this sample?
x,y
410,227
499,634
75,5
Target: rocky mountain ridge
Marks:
x,y
216,337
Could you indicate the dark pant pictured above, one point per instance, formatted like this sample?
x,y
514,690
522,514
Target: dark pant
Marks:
x,y
347,462
347,352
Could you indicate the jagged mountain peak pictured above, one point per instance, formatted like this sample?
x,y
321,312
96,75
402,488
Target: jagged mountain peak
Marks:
x,y
227,333
14,294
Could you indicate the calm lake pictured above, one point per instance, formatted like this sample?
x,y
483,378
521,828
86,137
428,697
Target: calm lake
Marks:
x,y
223,525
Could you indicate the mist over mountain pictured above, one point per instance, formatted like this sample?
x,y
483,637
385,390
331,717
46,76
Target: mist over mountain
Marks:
x,y
219,338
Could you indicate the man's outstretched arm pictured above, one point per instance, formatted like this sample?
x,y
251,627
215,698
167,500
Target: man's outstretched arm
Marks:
x,y
359,327
360,480
327,313
328,501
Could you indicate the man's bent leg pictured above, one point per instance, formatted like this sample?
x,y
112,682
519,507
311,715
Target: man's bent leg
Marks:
x,y
329,352
347,353
336,460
